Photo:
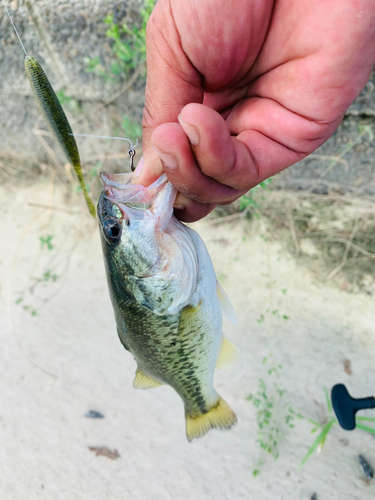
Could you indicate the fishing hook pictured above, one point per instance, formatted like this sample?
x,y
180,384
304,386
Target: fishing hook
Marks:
x,y
131,154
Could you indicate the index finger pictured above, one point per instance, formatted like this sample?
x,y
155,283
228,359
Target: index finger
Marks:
x,y
172,82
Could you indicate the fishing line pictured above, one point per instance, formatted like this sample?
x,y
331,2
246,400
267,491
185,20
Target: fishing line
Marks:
x,y
131,151
15,30
107,137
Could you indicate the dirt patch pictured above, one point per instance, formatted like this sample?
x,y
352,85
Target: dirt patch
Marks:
x,y
299,334
331,236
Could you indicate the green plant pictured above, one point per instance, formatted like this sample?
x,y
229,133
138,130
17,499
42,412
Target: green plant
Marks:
x,y
324,429
222,277
92,173
260,320
68,102
326,426
132,129
269,432
94,65
371,430
26,307
273,414
47,277
251,200
276,313
128,47
47,241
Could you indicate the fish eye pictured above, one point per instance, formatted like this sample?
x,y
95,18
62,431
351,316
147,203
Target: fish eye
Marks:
x,y
112,231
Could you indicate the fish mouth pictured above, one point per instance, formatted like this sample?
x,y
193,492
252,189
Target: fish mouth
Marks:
x,y
137,202
116,186
118,181
119,189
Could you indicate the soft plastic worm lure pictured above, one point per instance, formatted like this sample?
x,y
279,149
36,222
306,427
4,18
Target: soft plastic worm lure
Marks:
x,y
54,115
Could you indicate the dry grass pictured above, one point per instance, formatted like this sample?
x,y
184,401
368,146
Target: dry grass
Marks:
x,y
332,236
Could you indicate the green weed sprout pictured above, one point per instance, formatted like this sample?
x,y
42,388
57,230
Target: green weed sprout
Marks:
x,y
69,102
132,129
46,241
326,427
272,414
128,46
247,201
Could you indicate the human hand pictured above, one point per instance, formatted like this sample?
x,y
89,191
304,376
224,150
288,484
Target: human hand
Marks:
x,y
238,90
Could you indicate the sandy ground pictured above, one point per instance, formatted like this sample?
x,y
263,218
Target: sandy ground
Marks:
x,y
67,359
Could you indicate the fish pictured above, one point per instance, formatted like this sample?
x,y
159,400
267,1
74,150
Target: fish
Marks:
x,y
167,302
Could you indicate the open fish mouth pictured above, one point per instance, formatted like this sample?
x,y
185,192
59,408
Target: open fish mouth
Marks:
x,y
118,188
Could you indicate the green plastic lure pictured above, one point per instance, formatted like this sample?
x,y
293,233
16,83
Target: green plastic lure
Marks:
x,y
54,116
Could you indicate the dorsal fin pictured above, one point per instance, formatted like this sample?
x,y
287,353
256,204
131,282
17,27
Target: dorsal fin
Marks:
x,y
226,305
231,360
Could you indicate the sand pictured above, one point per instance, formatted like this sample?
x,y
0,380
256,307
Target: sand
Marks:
x,y
66,360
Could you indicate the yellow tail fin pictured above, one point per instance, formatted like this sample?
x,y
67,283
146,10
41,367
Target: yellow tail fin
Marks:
x,y
220,416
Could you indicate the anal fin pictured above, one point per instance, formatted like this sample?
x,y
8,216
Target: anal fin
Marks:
x,y
143,381
231,360
221,416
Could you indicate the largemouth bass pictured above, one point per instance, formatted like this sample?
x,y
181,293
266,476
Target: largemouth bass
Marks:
x,y
167,302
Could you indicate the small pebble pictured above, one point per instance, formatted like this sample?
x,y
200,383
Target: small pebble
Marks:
x,y
348,366
103,451
367,469
93,414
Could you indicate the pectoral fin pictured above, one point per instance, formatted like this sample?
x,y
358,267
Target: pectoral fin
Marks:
x,y
231,360
226,305
143,381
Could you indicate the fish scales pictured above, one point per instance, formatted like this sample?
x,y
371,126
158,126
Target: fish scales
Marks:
x,y
162,345
165,297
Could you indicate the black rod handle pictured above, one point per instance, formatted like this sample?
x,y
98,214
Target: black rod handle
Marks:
x,y
346,407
